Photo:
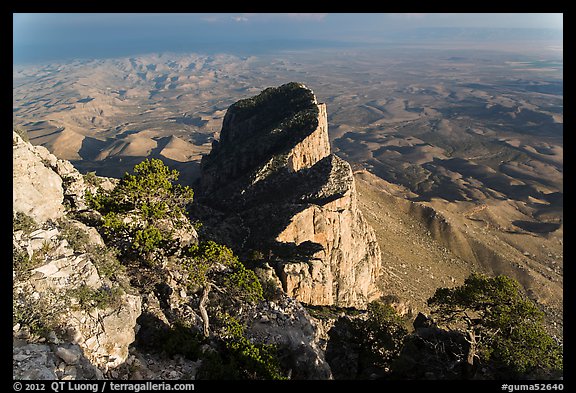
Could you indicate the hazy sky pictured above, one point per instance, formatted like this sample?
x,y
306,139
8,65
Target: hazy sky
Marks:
x,y
45,36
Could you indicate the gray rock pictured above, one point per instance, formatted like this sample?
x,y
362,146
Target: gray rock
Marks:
x,y
33,362
36,188
70,373
302,338
69,355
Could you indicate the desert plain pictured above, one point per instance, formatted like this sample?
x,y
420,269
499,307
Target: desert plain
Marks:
x,y
457,152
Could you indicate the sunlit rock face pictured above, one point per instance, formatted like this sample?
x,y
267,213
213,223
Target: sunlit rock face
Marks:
x,y
272,169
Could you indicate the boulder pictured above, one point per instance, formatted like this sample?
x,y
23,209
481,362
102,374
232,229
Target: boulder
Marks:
x,y
36,189
286,324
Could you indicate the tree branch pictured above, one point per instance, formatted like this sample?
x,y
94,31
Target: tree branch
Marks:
x,y
203,311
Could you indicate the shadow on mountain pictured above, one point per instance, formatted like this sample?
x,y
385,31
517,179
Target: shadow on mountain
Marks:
x,y
91,147
117,166
536,227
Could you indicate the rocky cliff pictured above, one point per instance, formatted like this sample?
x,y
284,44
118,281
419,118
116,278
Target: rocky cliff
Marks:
x,y
276,189
61,289
78,313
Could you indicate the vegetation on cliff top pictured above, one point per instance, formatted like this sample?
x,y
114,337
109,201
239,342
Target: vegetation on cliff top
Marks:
x,y
289,97
265,125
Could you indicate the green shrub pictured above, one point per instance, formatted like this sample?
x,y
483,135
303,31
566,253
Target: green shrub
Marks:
x,y
147,240
76,237
501,323
91,179
21,262
255,361
331,312
41,255
381,336
184,340
90,298
213,252
142,212
23,222
31,316
115,228
240,358
97,201
203,259
217,366
244,284
40,315
106,261
151,191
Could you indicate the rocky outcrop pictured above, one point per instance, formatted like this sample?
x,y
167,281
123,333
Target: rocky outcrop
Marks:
x,y
37,189
52,361
344,269
43,184
102,332
73,317
279,128
272,173
286,324
77,317
312,148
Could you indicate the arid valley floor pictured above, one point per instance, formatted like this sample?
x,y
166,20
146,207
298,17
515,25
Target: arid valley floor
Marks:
x,y
458,152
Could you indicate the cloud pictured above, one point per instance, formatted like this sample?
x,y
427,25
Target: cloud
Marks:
x,y
211,18
413,15
240,18
273,17
307,16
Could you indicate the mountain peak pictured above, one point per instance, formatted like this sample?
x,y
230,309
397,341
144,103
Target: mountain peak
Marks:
x,y
281,129
273,170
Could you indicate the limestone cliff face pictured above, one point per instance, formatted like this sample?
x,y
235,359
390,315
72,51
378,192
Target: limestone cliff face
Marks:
x,y
272,170
312,148
344,270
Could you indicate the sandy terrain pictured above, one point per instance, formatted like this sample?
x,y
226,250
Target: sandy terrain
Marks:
x,y
426,245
